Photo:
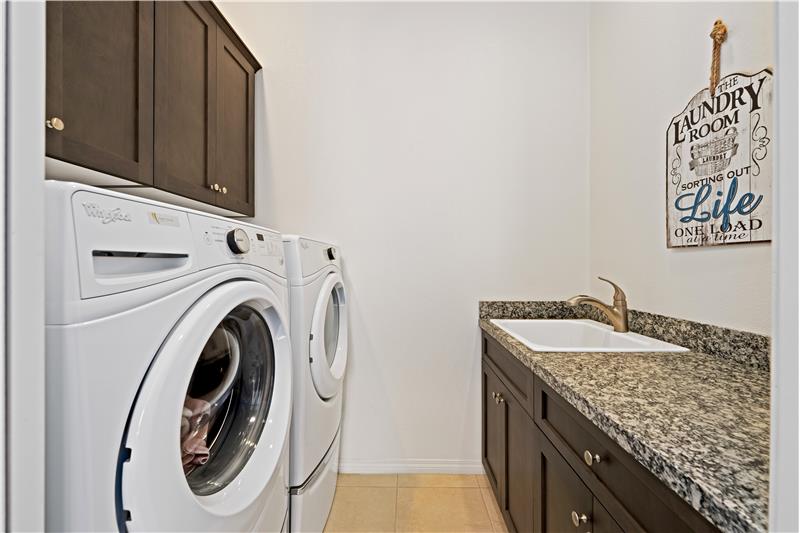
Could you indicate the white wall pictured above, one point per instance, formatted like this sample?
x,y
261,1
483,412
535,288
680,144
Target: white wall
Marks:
x,y
646,61
444,147
783,510
24,212
449,149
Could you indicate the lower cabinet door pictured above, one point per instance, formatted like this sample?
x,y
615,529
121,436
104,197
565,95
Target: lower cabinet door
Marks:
x,y
518,510
562,503
602,521
495,424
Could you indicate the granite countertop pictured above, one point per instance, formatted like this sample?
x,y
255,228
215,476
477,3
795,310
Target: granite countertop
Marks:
x,y
698,422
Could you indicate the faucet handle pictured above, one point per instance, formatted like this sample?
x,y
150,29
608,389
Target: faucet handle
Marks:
x,y
619,294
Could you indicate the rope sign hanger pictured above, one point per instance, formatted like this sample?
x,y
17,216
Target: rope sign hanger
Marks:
x,y
718,34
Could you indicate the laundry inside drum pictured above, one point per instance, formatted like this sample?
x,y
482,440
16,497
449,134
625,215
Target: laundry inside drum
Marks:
x,y
227,401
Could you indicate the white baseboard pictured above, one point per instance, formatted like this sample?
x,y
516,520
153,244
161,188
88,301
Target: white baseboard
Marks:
x,y
411,466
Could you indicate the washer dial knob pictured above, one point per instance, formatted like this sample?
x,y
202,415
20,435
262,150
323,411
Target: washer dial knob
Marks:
x,y
238,241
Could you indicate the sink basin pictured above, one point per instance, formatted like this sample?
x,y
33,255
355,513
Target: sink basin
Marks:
x,y
580,336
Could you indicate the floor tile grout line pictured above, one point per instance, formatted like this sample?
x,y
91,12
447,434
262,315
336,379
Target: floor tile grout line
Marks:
x,y
437,487
486,508
396,501
488,512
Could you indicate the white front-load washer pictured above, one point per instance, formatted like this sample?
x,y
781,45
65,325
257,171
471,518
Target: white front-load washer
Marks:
x,y
169,379
318,310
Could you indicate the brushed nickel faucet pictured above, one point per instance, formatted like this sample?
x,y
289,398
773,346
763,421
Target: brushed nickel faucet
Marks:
x,y
617,314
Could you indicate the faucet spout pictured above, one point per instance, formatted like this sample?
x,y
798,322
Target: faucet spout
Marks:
x,y
617,313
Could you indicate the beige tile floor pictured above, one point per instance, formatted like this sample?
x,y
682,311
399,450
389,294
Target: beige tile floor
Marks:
x,y
414,502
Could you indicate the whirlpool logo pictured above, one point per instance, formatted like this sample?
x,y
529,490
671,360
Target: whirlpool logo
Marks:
x,y
107,216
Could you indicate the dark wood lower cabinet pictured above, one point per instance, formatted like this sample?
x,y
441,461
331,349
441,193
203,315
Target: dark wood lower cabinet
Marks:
x,y
518,512
540,477
634,495
495,425
558,492
602,522
561,499
507,441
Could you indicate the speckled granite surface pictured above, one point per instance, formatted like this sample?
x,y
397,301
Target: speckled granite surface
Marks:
x,y
745,347
520,310
699,423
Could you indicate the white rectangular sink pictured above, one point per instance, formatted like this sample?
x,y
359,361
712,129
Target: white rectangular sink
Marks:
x,y
580,336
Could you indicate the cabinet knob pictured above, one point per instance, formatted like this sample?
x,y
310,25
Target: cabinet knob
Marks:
x,y
214,187
590,459
55,123
224,190
499,398
578,519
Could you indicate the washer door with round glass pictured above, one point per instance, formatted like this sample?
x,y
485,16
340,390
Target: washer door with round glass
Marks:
x,y
328,341
208,433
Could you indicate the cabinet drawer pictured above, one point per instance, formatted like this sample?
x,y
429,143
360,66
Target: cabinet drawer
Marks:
x,y
632,494
517,377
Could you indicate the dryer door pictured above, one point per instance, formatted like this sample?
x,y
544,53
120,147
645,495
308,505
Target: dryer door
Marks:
x,y
207,434
328,340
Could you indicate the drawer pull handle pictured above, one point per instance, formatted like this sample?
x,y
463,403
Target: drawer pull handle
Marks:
x,y
590,459
578,519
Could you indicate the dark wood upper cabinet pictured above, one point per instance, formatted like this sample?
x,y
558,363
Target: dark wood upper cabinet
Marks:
x,y
100,85
235,127
157,93
185,100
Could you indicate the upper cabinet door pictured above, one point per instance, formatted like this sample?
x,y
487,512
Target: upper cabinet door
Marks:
x,y
185,96
100,86
235,128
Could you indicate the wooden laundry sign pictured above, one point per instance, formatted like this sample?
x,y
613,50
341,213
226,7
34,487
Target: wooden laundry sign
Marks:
x,y
719,164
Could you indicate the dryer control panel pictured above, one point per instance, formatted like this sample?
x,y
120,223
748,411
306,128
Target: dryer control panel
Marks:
x,y
305,257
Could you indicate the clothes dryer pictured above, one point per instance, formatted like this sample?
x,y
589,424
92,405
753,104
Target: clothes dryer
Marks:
x,y
319,331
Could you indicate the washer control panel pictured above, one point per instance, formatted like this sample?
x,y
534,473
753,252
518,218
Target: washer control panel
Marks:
x,y
220,240
238,241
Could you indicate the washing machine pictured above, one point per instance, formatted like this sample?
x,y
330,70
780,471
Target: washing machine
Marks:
x,y
169,368
318,310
